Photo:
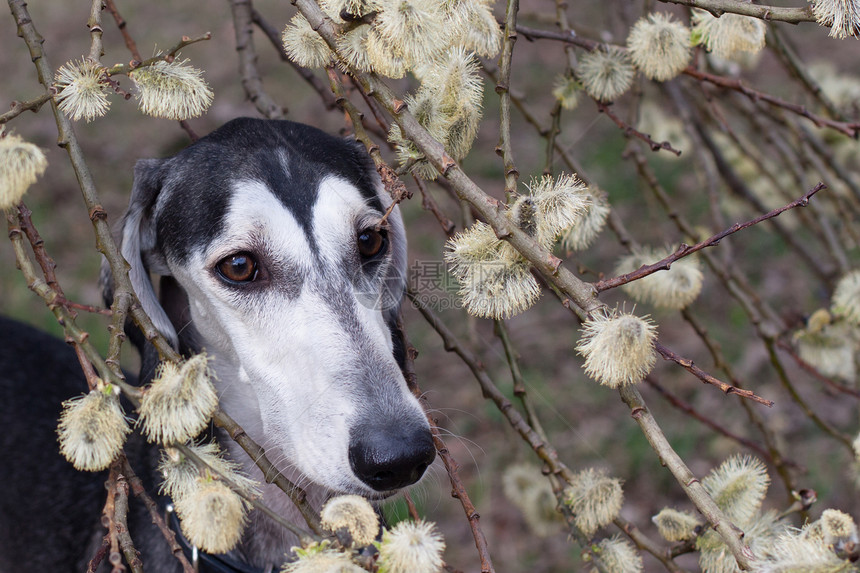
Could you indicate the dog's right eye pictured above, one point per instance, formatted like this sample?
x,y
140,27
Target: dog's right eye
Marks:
x,y
237,268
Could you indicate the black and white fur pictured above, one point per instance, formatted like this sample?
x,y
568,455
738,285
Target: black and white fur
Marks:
x,y
307,355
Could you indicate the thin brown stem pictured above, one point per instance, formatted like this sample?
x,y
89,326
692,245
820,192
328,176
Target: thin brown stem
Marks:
x,y
251,80
731,535
769,13
140,492
503,86
684,250
458,490
630,131
19,107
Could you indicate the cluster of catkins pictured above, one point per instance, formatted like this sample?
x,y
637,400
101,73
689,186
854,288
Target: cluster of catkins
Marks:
x,y
174,408
408,547
167,89
659,47
437,41
592,497
738,487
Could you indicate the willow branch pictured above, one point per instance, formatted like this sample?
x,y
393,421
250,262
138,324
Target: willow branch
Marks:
x,y
452,468
769,13
168,56
503,89
684,250
155,515
251,80
132,555
731,535
491,209
19,107
630,131
94,24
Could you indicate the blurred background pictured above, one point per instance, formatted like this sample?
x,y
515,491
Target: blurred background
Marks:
x,y
587,423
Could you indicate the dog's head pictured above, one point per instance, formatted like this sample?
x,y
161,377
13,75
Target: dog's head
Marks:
x,y
289,277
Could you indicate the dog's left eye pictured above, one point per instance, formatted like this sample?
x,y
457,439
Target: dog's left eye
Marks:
x,y
371,242
237,268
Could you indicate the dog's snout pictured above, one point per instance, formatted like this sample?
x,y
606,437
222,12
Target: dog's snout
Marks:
x,y
388,459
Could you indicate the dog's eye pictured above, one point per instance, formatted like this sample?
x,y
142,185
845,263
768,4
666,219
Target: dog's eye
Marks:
x,y
371,242
238,268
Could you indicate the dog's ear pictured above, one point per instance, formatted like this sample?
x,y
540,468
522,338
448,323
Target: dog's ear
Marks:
x,y
138,245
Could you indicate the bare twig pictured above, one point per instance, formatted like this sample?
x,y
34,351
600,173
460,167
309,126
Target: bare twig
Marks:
x,y
19,107
769,13
850,129
169,536
458,490
629,130
693,413
132,555
684,250
731,535
504,148
251,80
122,24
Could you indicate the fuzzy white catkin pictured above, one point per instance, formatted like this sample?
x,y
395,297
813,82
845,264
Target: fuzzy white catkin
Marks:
x,y
846,297
659,46
730,33
81,92
674,525
171,90
304,46
179,402
353,513
92,429
675,288
212,516
411,547
841,16
531,492
618,348
738,487
595,499
21,163
319,558
180,473
618,555
606,74
495,282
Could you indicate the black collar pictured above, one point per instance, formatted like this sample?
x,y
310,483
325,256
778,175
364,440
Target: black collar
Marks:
x,y
206,562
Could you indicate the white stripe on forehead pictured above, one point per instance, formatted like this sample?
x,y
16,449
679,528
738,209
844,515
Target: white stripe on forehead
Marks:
x,y
339,206
257,218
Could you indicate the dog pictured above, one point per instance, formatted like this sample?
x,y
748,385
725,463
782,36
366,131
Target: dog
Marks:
x,y
276,257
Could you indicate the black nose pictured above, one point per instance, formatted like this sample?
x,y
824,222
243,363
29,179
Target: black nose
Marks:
x,y
390,458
